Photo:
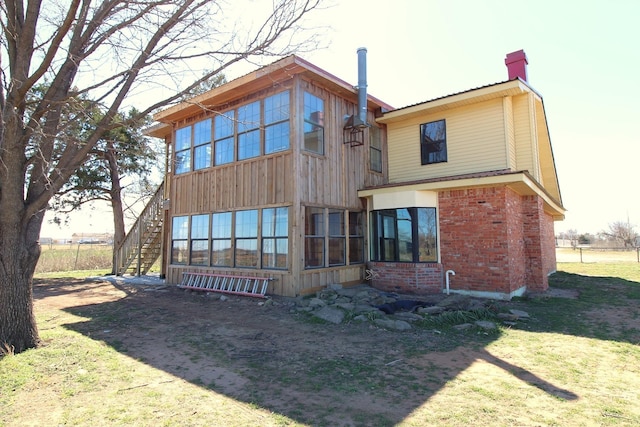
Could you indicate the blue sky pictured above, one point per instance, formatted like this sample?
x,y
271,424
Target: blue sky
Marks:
x,y
583,60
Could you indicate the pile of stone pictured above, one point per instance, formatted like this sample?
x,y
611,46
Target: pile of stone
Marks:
x,y
392,311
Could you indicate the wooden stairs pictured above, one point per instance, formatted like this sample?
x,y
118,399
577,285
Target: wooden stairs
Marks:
x,y
142,246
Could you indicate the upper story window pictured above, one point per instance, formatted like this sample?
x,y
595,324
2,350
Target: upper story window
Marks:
x,y
433,142
375,149
254,129
313,123
183,150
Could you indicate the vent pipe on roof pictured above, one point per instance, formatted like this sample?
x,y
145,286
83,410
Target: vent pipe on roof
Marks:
x,y
361,120
516,63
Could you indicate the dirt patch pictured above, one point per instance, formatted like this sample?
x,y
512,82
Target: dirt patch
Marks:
x,y
274,356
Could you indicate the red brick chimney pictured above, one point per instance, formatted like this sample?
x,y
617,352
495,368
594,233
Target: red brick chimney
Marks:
x,y
517,65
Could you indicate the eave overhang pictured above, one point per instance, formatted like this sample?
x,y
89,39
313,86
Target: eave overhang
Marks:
x,y
263,78
521,182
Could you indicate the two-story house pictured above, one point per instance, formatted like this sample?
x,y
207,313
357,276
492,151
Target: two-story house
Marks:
x,y
292,173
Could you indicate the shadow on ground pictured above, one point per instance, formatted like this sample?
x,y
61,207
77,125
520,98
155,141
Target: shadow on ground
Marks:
x,y
314,373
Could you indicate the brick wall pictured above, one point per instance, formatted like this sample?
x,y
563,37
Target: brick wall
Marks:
x,y
407,277
474,238
495,240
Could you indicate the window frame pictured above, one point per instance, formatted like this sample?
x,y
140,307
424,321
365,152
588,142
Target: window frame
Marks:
x,y
433,151
386,235
315,125
275,233
375,134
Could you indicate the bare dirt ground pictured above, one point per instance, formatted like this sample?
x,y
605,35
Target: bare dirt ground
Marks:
x,y
266,354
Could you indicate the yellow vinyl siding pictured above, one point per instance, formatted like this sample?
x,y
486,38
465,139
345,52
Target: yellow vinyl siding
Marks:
x,y
509,130
475,143
525,134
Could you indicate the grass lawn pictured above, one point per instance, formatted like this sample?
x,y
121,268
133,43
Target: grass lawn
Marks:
x,y
119,358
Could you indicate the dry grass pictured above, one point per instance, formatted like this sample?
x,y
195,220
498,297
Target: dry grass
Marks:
x,y
576,362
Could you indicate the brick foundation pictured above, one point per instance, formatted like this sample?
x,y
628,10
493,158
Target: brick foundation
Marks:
x,y
407,277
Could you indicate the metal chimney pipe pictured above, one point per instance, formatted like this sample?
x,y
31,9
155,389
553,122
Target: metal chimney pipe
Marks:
x,y
362,87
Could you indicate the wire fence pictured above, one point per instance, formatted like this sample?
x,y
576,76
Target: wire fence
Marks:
x,y
591,255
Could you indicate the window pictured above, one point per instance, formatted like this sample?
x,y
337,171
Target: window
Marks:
x,y
276,123
223,137
202,144
314,238
179,239
221,239
313,123
246,239
404,235
337,239
433,142
356,238
375,149
249,131
275,238
199,240
183,150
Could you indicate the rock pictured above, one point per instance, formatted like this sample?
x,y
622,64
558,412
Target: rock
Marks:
x,y
330,314
348,306
463,326
361,318
223,298
396,325
409,317
486,325
436,309
316,302
455,302
335,286
519,313
507,317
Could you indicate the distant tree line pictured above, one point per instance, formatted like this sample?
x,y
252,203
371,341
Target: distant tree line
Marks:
x,y
620,234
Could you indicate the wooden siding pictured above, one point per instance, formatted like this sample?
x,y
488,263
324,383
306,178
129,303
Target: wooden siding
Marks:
x,y
334,178
475,143
261,181
293,178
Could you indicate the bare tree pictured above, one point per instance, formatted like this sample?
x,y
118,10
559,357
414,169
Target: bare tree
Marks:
x,y
622,232
106,51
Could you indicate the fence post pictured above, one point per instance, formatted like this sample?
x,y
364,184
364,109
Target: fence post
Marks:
x,y
580,255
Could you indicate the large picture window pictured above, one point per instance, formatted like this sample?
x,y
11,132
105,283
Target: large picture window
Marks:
x,y
275,240
246,239
179,240
313,123
433,142
199,240
221,227
251,130
326,234
404,235
276,123
314,238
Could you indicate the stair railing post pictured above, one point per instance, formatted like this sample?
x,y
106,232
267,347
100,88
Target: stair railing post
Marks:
x,y
140,221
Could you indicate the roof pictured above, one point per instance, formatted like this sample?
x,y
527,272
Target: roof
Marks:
x,y
469,96
262,78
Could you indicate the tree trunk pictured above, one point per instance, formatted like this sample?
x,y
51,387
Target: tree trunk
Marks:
x,y
19,253
116,204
